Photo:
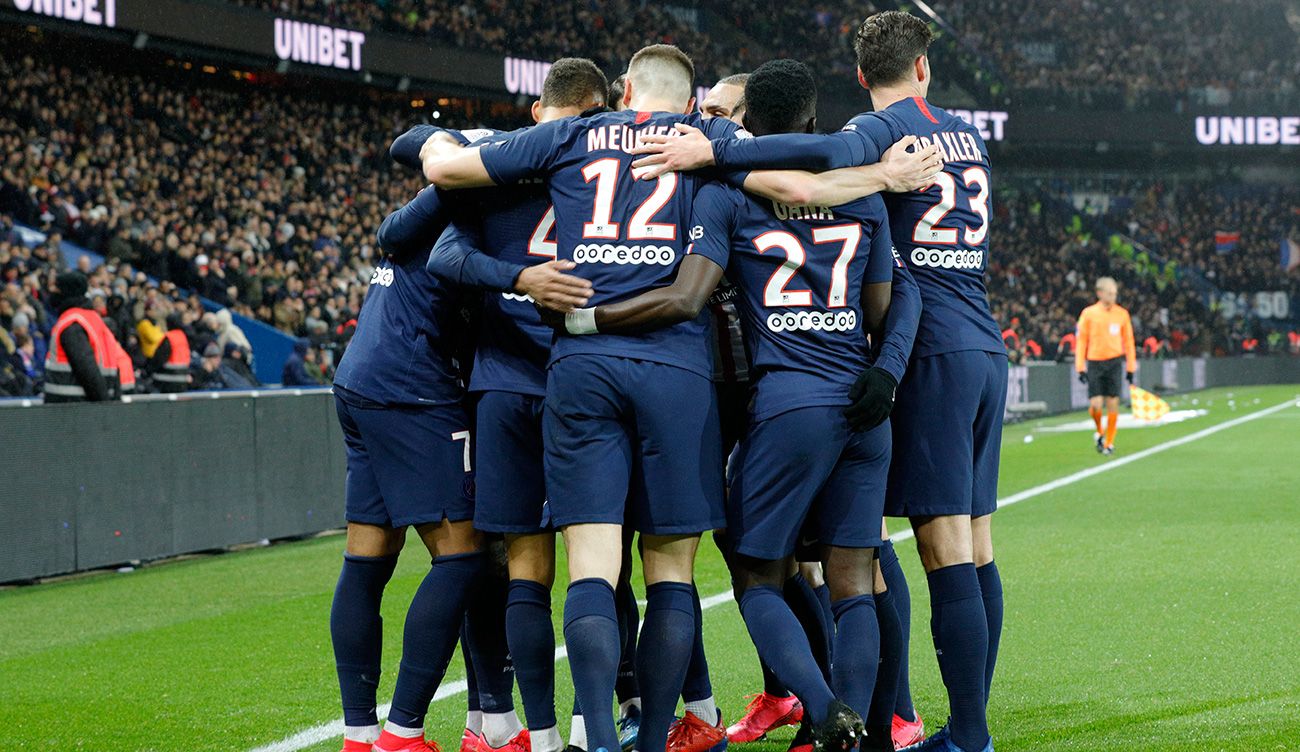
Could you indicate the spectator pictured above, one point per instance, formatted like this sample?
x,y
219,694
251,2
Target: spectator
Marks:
x,y
296,368
235,369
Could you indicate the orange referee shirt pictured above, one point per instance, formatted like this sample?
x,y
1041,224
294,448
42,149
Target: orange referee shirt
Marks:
x,y
1104,334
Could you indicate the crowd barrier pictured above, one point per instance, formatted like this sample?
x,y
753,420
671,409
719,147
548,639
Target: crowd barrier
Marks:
x,y
95,485
1054,387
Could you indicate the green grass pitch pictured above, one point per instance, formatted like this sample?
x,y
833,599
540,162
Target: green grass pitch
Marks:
x,y
1151,607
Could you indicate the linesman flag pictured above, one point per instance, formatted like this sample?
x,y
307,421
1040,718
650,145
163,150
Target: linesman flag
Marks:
x,y
1147,406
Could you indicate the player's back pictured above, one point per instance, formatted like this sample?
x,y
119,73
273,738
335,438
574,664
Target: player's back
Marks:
x,y
624,234
943,232
800,272
516,225
400,353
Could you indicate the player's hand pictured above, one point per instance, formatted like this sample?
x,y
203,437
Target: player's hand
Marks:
x,y
551,288
1128,376
910,169
439,145
1083,377
872,396
690,150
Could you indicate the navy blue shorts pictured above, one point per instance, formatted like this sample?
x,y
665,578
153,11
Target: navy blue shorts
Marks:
x,y
632,441
511,487
407,465
948,435
806,466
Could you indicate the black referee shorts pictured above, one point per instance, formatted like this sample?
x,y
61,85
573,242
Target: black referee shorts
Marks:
x,y
1104,377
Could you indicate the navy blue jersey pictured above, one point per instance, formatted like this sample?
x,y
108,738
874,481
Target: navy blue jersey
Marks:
x,y
625,234
800,272
398,355
513,227
406,341
942,232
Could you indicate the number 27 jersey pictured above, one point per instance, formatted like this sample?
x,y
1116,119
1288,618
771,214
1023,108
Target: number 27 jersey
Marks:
x,y
800,272
626,235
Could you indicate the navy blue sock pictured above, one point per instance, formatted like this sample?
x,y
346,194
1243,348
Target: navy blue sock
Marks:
x,y
663,653
629,621
532,648
781,642
806,605
433,623
991,590
697,685
485,632
897,584
357,631
961,641
823,593
857,651
771,684
883,698
471,679
591,633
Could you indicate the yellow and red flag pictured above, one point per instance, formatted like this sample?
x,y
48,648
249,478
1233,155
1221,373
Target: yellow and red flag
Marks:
x,y
1147,406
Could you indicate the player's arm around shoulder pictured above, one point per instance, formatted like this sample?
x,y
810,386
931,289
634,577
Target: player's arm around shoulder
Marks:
x,y
697,277
904,167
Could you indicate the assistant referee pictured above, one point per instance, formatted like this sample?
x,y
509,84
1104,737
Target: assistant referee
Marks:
x,y
1105,350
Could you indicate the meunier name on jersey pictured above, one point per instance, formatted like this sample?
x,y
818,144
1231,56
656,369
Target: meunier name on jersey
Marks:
x,y
624,138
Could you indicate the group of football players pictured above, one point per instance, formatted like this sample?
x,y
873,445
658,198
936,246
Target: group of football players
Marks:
x,y
684,320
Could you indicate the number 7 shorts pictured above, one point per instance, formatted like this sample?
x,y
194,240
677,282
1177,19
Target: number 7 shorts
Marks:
x,y
407,465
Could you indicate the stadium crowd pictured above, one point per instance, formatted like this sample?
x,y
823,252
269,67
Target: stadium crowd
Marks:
x,y
1162,53
165,177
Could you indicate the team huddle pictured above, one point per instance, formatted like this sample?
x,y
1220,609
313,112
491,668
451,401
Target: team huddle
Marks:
x,y
683,321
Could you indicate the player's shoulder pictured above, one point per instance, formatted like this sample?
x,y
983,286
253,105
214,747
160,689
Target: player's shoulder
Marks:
x,y
717,193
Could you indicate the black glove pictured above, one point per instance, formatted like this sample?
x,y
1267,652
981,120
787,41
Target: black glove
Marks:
x,y
1128,376
872,396
1083,377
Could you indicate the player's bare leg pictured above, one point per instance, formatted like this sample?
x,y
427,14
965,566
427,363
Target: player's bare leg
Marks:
x,y
668,633
432,628
958,623
356,627
530,559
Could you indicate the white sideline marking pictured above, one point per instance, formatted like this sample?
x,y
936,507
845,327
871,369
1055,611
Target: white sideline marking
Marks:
x,y
333,729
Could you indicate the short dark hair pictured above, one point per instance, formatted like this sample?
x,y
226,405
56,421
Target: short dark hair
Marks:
x,y
780,97
888,43
574,82
616,88
736,79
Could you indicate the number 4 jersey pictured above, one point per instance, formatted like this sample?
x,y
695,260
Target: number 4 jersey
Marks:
x,y
800,271
624,234
942,232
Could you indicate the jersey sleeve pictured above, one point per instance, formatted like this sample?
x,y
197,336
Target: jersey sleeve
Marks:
x,y
719,129
1081,343
860,143
413,227
903,320
457,258
531,152
880,263
1130,350
405,149
712,220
